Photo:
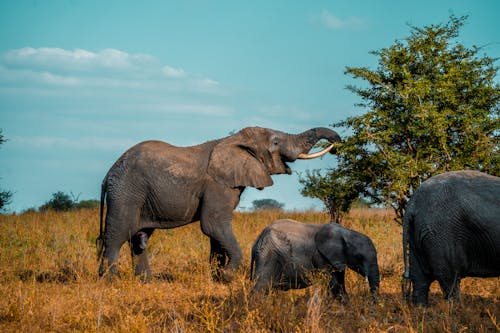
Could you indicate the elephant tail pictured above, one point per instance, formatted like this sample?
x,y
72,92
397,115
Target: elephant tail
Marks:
x,y
407,224
252,263
100,239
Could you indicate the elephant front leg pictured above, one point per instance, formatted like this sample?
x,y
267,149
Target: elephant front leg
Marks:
x,y
337,286
225,252
216,223
218,258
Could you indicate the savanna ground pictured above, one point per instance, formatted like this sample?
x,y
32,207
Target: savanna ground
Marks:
x,y
48,282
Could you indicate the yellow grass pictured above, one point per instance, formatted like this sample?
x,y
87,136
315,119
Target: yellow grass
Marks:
x,y
48,282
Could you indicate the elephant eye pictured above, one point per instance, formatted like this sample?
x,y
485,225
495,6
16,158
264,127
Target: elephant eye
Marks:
x,y
275,142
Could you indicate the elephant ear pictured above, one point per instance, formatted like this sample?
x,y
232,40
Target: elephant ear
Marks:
x,y
234,162
332,246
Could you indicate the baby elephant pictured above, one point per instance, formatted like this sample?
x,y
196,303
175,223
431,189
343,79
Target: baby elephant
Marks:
x,y
287,251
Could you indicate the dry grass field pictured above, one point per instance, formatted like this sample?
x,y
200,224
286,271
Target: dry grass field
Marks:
x,y
48,283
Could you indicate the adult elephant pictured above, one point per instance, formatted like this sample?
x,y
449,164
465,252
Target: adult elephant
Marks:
x,y
155,185
451,229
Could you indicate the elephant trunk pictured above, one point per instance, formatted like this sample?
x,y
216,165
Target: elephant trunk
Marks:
x,y
373,278
303,142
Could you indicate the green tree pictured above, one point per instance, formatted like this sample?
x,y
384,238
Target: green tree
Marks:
x,y
60,202
335,190
5,195
433,106
262,204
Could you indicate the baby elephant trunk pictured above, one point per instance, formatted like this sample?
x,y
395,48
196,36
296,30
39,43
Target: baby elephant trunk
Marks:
x,y
373,278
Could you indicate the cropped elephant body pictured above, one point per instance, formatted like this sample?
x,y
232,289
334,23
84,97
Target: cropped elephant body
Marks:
x,y
162,167
155,185
451,230
287,252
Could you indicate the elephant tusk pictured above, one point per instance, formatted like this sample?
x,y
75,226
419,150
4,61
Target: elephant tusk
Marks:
x,y
315,155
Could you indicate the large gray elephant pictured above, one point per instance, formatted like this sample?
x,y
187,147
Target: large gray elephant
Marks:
x,y
287,252
155,185
451,229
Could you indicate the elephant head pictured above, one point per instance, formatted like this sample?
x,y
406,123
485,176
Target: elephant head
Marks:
x,y
343,247
249,157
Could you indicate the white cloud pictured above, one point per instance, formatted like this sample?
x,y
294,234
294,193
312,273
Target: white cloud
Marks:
x,y
173,72
208,83
108,68
59,80
86,143
75,60
333,22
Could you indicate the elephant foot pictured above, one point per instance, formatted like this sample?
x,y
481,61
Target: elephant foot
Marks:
x,y
223,275
144,273
374,296
406,289
340,296
420,301
343,298
109,276
110,272
145,278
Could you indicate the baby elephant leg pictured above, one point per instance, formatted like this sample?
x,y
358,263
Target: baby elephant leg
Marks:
x,y
337,286
267,275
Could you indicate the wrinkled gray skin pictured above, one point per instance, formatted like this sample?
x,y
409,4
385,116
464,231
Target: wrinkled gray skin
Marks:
x,y
451,229
287,251
155,185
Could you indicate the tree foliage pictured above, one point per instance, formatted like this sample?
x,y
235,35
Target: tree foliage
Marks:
x,y
262,204
335,190
61,201
5,195
5,199
433,106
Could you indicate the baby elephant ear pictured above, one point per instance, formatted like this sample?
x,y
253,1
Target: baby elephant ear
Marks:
x,y
332,246
234,164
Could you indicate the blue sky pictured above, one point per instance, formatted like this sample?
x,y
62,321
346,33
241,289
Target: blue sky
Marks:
x,y
82,81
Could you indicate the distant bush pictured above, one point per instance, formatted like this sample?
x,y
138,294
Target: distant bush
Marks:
x,y
267,204
62,202
86,204
5,198
5,195
29,210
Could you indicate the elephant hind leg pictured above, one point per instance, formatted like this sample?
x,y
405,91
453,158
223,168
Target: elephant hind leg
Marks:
x,y
450,285
109,261
268,274
140,262
420,281
421,292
